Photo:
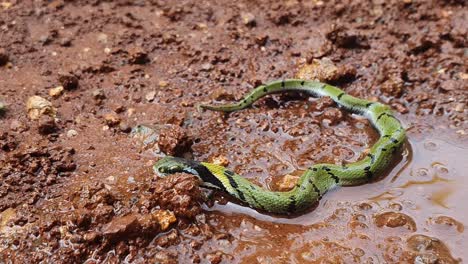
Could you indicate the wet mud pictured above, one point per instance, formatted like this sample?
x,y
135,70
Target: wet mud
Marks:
x,y
77,78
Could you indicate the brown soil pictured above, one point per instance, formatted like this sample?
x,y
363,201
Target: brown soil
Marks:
x,y
76,186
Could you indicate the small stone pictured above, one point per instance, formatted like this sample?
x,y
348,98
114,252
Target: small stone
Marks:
x,y
90,237
131,111
222,94
163,83
287,182
68,81
3,57
38,106
124,127
6,5
2,106
102,38
248,19
165,218
111,119
56,92
460,107
150,96
220,160
207,66
46,125
138,56
72,133
98,94
321,70
65,42
392,87
121,226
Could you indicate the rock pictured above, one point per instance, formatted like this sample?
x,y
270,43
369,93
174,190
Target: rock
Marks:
x,y
65,42
124,127
325,70
138,56
287,182
46,125
222,94
2,106
348,39
179,193
207,66
99,95
163,83
56,92
121,226
68,81
150,96
72,133
4,58
248,19
91,236
38,106
164,218
334,115
112,119
220,160
460,107
392,87
173,140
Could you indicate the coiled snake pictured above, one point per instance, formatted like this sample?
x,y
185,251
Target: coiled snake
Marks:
x,y
317,179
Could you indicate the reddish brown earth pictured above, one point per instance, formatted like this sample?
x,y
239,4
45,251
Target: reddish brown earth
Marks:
x,y
76,186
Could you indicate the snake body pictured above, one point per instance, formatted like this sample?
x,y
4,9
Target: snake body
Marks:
x,y
317,179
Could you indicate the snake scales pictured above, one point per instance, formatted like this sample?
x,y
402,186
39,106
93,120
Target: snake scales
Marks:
x,y
317,179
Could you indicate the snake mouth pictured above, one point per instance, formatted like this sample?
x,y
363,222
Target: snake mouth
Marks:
x,y
169,165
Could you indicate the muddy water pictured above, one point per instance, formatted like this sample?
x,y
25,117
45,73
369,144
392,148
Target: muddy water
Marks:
x,y
424,188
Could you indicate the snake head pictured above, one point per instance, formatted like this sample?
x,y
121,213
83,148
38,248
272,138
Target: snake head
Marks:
x,y
170,165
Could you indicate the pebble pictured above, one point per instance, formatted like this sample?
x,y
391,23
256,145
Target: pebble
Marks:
x,y
65,42
68,81
150,96
220,160
138,55
72,133
98,94
248,19
3,57
287,182
56,92
46,125
102,38
124,127
207,66
111,119
2,106
163,83
460,107
38,106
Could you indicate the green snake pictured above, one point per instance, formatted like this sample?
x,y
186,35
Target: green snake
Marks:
x,y
317,179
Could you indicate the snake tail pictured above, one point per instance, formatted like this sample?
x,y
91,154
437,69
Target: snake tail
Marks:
x,y
318,178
